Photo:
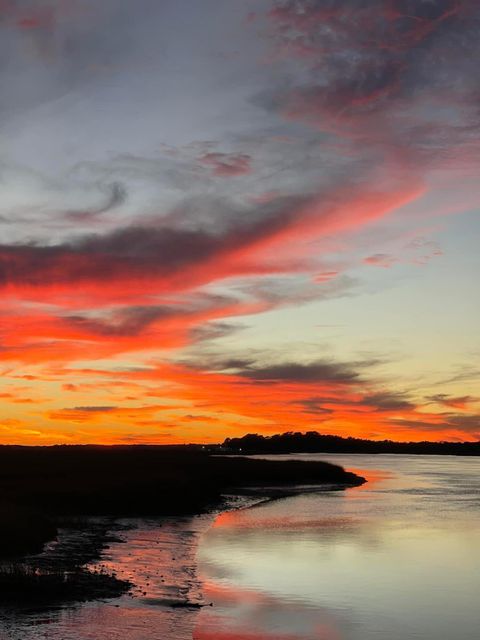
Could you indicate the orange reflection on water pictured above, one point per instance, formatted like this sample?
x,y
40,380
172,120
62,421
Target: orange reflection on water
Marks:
x,y
242,614
243,520
372,476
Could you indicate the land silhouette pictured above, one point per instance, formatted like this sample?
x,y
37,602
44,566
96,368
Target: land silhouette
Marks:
x,y
314,442
44,489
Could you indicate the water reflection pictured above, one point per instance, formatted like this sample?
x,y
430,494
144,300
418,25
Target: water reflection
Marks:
x,y
158,556
396,559
249,615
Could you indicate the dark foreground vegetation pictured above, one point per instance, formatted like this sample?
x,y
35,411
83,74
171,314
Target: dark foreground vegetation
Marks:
x,y
58,574
314,442
22,584
138,480
44,489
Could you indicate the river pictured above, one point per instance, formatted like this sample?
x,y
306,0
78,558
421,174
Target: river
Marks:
x,y
395,559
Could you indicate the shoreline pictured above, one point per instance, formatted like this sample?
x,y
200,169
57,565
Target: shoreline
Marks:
x,y
246,499
83,493
80,552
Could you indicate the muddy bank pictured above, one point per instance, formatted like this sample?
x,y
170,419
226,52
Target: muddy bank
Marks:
x,y
60,573
74,496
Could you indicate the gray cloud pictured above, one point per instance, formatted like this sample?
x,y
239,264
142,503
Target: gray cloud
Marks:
x,y
298,289
387,401
137,252
315,406
318,371
379,401
214,331
129,321
450,401
377,72
92,409
125,321
117,196
467,423
464,374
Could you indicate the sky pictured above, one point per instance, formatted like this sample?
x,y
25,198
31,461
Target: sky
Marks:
x,y
239,216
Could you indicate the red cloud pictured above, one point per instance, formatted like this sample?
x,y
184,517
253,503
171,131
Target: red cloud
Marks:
x,y
381,260
325,276
136,261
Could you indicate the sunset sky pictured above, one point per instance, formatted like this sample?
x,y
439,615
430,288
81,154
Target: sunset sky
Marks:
x,y
229,216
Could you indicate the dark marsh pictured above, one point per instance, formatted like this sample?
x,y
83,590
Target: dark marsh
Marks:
x,y
43,489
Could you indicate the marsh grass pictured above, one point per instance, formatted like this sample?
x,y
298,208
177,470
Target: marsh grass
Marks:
x,y
24,530
24,584
47,489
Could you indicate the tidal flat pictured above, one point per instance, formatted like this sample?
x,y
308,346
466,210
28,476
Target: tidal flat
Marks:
x,y
68,501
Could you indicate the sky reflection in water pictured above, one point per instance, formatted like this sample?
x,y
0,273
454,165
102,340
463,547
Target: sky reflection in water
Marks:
x,y
158,556
395,559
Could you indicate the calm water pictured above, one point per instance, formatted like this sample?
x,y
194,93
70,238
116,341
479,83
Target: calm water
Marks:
x,y
398,558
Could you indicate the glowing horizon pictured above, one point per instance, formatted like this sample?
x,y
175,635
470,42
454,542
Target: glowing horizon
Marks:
x,y
239,217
